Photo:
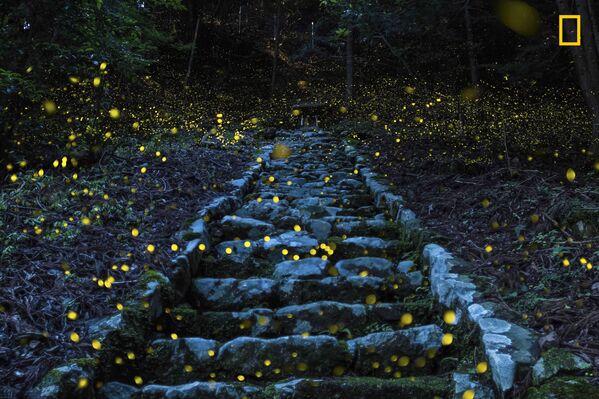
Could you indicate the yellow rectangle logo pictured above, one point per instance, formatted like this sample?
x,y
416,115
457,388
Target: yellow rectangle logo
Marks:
x,y
561,30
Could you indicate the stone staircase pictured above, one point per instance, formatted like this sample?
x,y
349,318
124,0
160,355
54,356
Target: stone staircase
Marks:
x,y
305,293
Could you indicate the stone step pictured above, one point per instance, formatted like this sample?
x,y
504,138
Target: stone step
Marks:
x,y
382,354
365,227
324,317
232,226
367,246
233,294
301,388
345,325
363,388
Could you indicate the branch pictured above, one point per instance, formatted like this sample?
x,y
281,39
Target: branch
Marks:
x,y
395,54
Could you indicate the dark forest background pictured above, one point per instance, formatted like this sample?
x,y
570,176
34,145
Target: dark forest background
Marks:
x,y
200,57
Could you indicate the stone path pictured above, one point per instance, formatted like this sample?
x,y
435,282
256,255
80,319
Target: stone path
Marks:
x,y
304,295
303,290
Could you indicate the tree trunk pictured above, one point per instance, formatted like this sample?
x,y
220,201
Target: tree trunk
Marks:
x,y
275,58
586,58
474,76
193,50
349,65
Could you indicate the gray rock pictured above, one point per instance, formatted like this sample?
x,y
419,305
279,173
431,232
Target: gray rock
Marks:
x,y
320,229
566,387
451,288
301,269
199,390
220,206
258,322
267,210
295,242
169,357
350,183
313,206
317,317
365,266
405,266
116,390
241,227
292,355
63,383
415,279
198,230
363,227
239,252
477,311
103,327
508,348
363,388
555,361
331,211
350,290
378,347
463,382
233,294
408,218
366,246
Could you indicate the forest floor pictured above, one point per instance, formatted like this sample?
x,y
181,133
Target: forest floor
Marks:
x,y
73,247
528,227
64,239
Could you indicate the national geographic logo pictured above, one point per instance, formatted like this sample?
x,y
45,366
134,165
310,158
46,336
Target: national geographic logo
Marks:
x,y
568,31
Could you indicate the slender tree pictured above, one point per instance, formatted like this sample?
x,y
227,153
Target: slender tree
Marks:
x,y
586,56
474,76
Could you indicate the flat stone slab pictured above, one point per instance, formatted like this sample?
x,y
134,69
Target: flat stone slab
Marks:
x,y
284,356
350,290
169,358
508,347
317,317
294,242
235,251
116,390
320,229
266,210
253,229
360,227
366,246
556,361
301,269
233,294
365,266
363,388
199,390
374,351
258,322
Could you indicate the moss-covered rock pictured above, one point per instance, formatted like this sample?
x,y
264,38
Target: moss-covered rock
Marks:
x,y
556,361
565,388
72,381
180,361
361,388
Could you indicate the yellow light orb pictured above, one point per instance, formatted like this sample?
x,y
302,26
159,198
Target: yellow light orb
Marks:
x,y
114,113
482,367
449,317
570,175
50,107
447,339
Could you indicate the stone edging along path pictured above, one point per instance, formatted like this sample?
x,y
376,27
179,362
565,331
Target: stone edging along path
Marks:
x,y
509,349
